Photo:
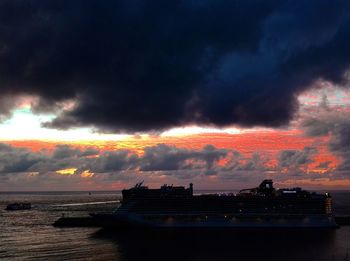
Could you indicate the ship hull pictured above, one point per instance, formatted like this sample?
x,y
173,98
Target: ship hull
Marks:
x,y
236,222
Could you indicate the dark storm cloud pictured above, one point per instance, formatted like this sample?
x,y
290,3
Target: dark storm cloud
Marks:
x,y
6,104
150,65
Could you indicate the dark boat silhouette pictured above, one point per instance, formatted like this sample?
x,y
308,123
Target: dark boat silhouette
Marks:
x,y
260,207
19,206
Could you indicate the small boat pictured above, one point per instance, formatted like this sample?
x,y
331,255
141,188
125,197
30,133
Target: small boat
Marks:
x,y
19,206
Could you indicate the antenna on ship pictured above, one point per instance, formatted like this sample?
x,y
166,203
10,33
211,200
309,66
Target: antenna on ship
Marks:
x,y
138,185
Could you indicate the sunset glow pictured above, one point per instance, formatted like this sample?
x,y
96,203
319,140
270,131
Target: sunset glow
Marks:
x,y
222,102
229,120
273,152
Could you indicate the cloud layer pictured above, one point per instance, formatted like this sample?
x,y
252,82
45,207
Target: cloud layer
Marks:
x,y
67,167
142,66
335,123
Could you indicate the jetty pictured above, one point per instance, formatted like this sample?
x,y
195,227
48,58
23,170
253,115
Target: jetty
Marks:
x,y
19,206
76,222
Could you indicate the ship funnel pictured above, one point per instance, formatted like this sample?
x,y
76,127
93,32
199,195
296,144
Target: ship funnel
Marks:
x,y
266,186
191,188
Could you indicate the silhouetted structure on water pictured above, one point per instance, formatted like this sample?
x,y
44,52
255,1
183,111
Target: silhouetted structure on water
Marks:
x,y
260,207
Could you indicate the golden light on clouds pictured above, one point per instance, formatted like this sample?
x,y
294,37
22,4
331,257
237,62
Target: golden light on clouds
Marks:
x,y
69,171
86,174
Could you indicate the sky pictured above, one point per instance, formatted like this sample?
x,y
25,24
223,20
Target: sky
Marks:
x,y
100,95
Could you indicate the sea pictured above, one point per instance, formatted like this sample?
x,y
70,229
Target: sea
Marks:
x,y
30,235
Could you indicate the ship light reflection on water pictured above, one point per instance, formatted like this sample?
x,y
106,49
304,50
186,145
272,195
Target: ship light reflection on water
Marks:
x,y
306,220
169,220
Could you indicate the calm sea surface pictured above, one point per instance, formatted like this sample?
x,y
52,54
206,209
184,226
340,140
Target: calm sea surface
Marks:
x,y
29,235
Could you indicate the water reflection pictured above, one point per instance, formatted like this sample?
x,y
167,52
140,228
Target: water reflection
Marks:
x,y
214,245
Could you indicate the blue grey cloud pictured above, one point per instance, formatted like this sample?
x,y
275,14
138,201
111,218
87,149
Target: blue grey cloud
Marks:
x,y
151,65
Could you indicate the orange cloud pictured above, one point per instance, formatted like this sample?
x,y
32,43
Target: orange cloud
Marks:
x,y
86,174
268,143
319,182
246,142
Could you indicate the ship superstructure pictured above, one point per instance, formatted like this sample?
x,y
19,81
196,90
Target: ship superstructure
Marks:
x,y
263,206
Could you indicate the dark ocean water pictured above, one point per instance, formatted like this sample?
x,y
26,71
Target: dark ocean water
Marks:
x,y
29,235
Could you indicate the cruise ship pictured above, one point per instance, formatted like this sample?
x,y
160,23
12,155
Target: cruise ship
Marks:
x,y
260,207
